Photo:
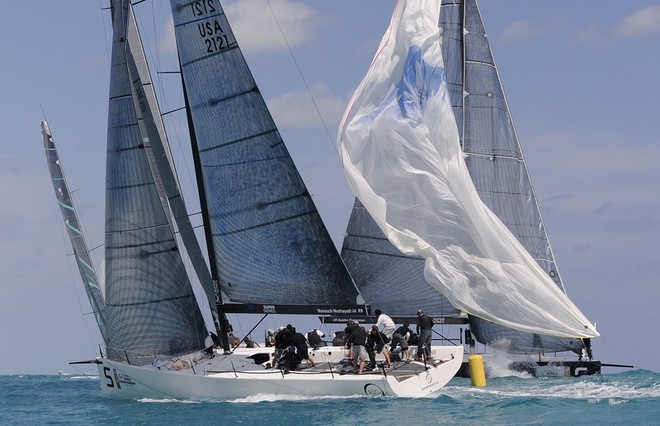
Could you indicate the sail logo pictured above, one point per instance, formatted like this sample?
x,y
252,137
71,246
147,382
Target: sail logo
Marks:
x,y
203,7
372,389
116,379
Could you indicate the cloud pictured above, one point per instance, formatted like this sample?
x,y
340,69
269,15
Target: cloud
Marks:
x,y
639,225
643,23
256,28
296,109
525,31
589,35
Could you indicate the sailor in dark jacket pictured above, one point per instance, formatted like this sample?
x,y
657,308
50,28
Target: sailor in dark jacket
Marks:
x,y
302,351
400,337
375,343
424,325
357,340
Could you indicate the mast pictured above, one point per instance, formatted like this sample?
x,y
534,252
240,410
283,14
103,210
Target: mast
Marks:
x,y
222,316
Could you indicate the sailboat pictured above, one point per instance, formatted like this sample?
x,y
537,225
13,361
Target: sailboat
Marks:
x,y
269,251
497,168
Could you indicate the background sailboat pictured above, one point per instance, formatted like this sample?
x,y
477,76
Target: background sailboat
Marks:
x,y
495,160
497,168
404,160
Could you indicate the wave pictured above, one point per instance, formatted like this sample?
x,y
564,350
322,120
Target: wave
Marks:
x,y
614,388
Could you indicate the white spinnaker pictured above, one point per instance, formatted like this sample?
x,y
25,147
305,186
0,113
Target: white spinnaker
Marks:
x,y
400,149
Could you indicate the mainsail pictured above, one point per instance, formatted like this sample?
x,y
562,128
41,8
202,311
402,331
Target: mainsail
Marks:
x,y
270,246
150,306
494,158
74,230
400,148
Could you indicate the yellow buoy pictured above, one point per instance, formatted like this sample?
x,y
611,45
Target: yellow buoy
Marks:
x,y
477,371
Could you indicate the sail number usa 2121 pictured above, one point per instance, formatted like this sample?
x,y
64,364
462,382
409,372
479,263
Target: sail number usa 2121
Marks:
x,y
215,39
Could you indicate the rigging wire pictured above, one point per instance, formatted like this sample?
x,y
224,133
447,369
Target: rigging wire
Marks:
x,y
302,76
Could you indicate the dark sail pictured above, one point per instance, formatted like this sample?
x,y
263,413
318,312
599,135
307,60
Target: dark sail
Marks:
x,y
494,159
74,230
150,306
160,159
269,242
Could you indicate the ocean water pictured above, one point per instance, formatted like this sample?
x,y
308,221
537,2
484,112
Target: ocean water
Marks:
x,y
630,398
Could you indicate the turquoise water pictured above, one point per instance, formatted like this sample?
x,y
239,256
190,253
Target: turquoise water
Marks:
x,y
632,397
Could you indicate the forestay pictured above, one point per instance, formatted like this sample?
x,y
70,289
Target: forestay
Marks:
x,y
400,148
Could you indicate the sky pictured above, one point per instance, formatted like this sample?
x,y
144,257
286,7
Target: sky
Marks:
x,y
581,79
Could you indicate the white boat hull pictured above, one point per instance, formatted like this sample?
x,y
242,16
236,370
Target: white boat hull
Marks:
x,y
236,376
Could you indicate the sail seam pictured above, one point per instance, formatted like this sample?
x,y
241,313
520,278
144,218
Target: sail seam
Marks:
x,y
273,222
137,185
383,254
135,229
169,299
214,102
490,64
227,49
247,162
256,135
498,156
113,98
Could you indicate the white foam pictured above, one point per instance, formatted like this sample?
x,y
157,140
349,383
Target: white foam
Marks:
x,y
167,401
593,391
283,397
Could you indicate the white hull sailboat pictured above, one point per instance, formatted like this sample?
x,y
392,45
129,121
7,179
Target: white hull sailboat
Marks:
x,y
268,250
237,376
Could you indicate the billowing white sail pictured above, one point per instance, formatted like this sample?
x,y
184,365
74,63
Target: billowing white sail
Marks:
x,y
400,148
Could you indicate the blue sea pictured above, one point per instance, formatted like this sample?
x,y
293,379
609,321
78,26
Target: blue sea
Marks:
x,y
631,397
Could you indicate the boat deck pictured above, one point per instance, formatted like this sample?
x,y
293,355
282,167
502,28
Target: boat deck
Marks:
x,y
400,370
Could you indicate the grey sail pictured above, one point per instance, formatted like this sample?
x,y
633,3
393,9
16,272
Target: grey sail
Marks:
x,y
494,158
74,230
269,243
150,306
388,279
160,159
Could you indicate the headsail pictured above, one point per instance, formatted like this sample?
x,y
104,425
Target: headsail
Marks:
x,y
400,149
150,306
160,159
269,243
74,230
494,158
